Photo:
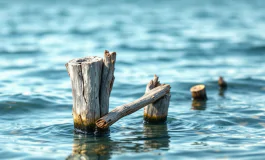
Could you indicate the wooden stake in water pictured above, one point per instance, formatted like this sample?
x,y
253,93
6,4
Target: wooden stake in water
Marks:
x,y
92,80
157,111
198,92
85,75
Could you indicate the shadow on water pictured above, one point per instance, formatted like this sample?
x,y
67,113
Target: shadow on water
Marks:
x,y
198,104
156,137
90,147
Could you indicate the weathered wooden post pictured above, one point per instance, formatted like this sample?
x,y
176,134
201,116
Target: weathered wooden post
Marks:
x,y
157,111
85,75
92,79
199,96
198,92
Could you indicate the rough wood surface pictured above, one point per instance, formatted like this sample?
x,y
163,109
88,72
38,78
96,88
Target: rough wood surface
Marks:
x,y
85,75
107,80
198,92
156,112
121,111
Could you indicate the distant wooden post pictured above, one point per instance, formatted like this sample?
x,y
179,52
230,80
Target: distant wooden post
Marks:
x,y
222,86
92,80
198,92
157,111
221,82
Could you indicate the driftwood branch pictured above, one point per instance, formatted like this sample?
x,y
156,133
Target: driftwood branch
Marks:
x,y
129,108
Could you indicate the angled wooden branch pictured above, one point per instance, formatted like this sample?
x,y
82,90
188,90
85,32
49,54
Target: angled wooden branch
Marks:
x,y
124,110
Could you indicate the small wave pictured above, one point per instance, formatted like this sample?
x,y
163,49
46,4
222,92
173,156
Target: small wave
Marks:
x,y
24,51
257,49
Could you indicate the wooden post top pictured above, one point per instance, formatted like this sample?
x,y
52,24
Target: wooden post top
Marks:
x,y
197,88
86,60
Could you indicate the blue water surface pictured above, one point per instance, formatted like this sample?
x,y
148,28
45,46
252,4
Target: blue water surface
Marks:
x,y
184,42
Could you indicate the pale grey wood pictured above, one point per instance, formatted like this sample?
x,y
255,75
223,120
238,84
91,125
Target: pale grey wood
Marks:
x,y
107,80
156,112
85,74
121,111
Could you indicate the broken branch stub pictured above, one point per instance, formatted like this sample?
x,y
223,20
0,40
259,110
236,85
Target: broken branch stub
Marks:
x,y
107,80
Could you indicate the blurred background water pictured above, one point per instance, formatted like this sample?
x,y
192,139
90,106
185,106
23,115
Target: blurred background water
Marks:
x,y
185,42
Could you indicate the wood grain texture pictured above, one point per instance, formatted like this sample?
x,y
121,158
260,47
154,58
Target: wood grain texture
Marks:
x,y
121,111
107,80
157,111
85,74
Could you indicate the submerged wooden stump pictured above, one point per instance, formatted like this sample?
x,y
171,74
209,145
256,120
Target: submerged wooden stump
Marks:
x,y
85,75
157,111
92,79
198,92
124,110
